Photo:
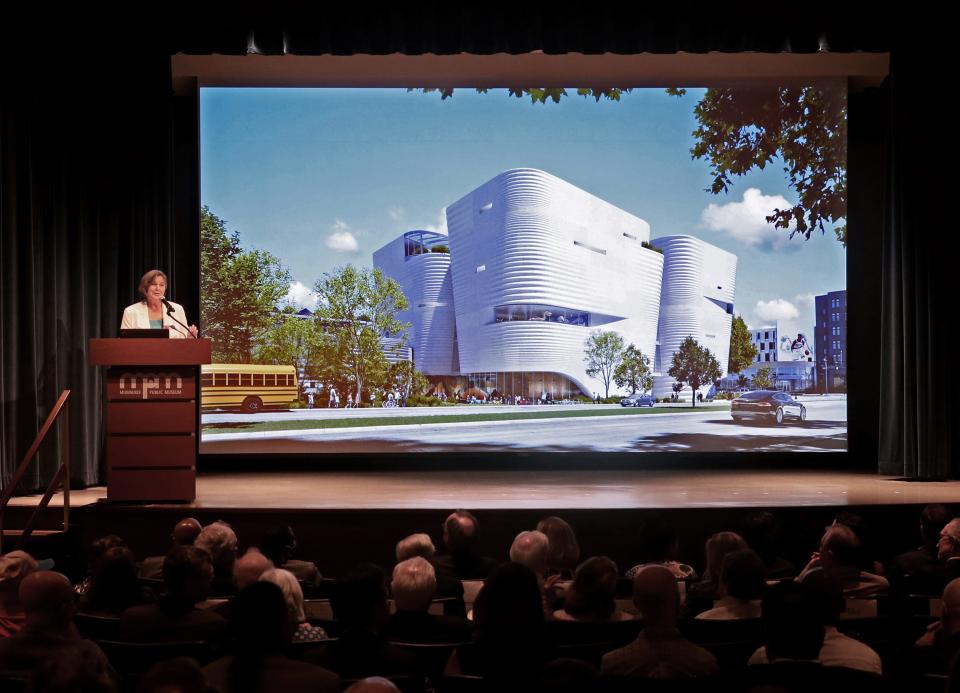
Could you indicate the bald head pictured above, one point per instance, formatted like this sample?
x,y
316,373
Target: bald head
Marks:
x,y
373,684
249,567
460,530
48,599
948,545
186,532
656,596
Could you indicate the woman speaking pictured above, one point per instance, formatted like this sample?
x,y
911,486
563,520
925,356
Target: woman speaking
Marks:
x,y
155,311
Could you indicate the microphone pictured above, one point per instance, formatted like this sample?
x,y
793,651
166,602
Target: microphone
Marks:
x,y
169,306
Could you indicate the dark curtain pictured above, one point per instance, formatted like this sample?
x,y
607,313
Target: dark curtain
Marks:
x,y
87,182
918,418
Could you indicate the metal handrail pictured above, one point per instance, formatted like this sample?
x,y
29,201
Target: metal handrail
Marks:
x,y
62,475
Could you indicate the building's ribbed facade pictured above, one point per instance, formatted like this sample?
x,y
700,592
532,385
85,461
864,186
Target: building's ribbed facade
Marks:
x,y
535,265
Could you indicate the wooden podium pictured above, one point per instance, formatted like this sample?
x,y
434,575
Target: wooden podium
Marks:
x,y
152,416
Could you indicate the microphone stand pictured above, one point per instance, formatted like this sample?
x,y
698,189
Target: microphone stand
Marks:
x,y
170,313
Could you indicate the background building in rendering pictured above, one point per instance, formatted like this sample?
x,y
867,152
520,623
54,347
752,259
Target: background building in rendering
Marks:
x,y
699,285
789,357
830,334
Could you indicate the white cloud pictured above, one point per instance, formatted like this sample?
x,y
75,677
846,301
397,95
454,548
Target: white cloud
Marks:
x,y
299,295
440,226
342,239
777,309
396,213
746,221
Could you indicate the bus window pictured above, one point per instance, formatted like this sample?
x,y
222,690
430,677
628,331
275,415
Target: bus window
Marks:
x,y
220,379
233,379
269,379
258,379
245,380
206,380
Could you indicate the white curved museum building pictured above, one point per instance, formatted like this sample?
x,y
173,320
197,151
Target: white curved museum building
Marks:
x,y
531,266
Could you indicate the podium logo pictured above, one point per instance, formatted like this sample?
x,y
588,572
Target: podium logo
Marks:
x,y
148,385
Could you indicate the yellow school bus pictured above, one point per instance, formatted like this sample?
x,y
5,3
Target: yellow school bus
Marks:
x,y
249,387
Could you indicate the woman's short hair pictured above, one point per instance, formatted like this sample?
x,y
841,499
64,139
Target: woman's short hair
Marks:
x,y
292,593
415,545
147,280
564,551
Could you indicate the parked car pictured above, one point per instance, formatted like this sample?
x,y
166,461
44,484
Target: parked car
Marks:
x,y
767,406
638,399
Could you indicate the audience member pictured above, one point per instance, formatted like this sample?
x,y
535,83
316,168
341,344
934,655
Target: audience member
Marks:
x,y
220,542
94,554
592,596
865,535
510,642
762,534
943,637
415,545
742,581
359,604
246,570
825,601
462,558
185,532
413,585
14,567
74,670
920,571
659,651
279,546
840,557
715,550
293,596
48,602
261,628
563,554
530,549
187,573
948,549
658,546
114,586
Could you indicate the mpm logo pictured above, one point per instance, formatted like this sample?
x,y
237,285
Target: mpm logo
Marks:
x,y
147,384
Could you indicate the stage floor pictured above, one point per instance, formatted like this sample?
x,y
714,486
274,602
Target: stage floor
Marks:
x,y
531,490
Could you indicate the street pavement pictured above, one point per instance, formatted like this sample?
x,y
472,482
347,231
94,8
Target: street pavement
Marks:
x,y
681,429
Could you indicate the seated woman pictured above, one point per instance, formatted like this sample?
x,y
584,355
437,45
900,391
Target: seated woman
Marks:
x,y
564,551
113,585
716,549
293,596
592,596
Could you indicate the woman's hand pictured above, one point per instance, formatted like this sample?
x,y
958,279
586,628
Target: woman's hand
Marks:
x,y
193,331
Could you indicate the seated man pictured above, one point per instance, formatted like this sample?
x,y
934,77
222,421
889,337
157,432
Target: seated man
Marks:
x,y
839,557
414,584
14,567
187,573
920,571
941,642
659,651
826,602
448,584
279,546
185,532
462,560
742,581
530,549
48,602
246,570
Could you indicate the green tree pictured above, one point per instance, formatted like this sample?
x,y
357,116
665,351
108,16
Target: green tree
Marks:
x,y
603,354
764,379
406,380
239,291
296,341
633,371
694,365
742,128
357,307
742,380
742,349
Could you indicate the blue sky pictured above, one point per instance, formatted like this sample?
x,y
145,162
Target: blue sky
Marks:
x,y
323,177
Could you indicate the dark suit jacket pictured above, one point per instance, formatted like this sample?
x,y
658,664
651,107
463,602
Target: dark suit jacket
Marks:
x,y
361,653
277,673
25,652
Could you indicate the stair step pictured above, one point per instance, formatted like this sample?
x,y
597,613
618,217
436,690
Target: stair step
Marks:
x,y
34,533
